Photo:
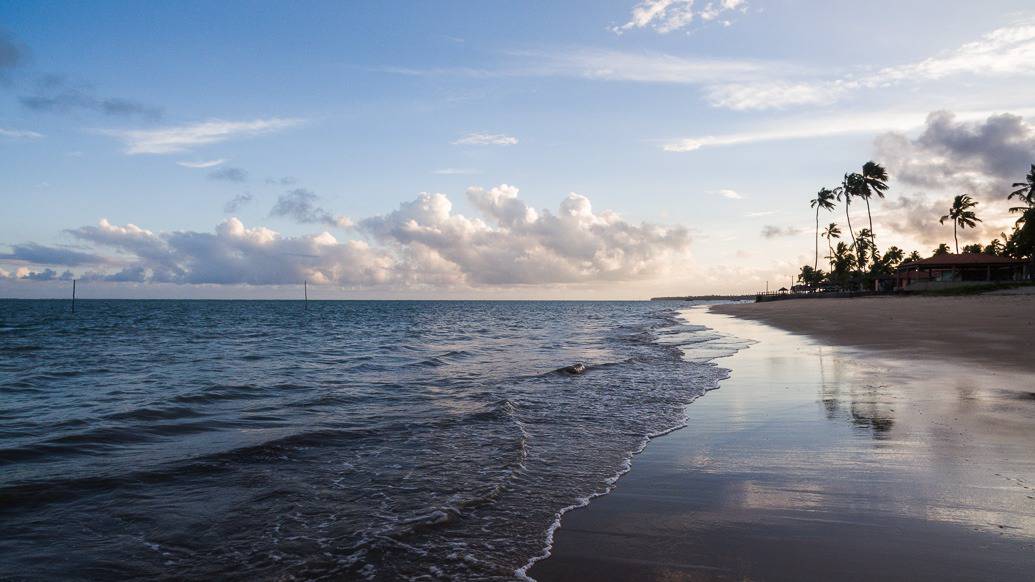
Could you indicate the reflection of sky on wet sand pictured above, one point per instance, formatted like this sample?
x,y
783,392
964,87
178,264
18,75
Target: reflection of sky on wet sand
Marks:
x,y
848,431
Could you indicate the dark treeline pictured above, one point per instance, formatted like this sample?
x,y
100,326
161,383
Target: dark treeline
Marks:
x,y
856,261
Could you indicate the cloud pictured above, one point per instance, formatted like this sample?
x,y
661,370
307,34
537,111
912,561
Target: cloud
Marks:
x,y
11,55
201,164
1007,51
422,244
518,245
455,172
181,138
762,213
19,134
284,181
237,202
814,126
44,255
300,205
486,139
666,16
228,174
731,194
770,231
771,95
56,94
983,157
235,254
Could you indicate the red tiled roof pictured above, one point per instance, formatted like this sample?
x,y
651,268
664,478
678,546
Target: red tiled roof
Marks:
x,y
962,260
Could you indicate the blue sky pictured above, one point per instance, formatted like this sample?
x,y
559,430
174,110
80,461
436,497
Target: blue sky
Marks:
x,y
692,133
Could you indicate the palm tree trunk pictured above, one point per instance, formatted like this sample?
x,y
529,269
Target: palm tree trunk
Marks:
x,y
815,263
848,217
956,238
873,235
830,257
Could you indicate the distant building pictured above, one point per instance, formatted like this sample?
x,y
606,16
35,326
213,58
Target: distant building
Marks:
x,y
948,270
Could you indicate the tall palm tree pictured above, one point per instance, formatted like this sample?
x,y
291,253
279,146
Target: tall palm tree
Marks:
x,y
961,215
824,199
831,232
850,186
874,183
914,257
1025,192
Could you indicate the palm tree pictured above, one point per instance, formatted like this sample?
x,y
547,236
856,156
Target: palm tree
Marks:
x,y
874,182
943,249
832,231
824,199
850,186
1025,192
914,257
961,215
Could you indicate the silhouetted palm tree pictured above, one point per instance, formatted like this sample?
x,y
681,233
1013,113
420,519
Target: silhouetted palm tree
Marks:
x,y
824,199
1025,192
943,249
850,186
914,257
874,183
831,232
961,215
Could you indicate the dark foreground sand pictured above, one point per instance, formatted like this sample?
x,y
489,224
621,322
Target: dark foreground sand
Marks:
x,y
814,462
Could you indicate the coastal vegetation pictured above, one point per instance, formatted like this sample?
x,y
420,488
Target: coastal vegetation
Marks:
x,y
858,262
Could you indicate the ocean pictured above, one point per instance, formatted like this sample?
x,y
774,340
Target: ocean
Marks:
x,y
355,439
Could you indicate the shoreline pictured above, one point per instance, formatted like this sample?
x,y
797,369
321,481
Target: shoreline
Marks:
x,y
778,476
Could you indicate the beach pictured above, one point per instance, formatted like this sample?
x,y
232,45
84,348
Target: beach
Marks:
x,y
854,440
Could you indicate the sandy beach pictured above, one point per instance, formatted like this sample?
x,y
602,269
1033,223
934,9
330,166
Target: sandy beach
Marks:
x,y
885,439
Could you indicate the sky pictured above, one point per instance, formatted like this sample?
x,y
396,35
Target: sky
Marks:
x,y
614,149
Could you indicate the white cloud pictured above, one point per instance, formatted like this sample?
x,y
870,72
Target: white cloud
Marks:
x,y
731,194
1007,51
181,138
19,134
807,127
422,244
666,16
519,245
201,164
486,139
771,95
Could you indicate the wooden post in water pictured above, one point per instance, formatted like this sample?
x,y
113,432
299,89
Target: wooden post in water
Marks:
x,y
305,290
73,295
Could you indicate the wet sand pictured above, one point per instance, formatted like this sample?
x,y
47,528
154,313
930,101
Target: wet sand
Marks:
x,y
984,329
814,462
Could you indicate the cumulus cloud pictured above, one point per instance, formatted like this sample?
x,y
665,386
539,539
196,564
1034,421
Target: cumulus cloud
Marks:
x,y
57,94
520,245
236,203
423,243
486,139
770,231
228,174
300,205
201,164
983,157
666,16
175,139
47,255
